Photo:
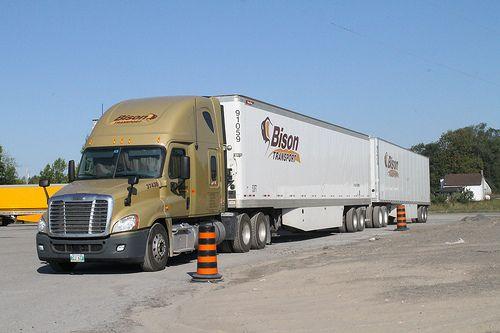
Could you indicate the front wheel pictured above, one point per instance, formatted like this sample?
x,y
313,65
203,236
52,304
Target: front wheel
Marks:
x,y
156,256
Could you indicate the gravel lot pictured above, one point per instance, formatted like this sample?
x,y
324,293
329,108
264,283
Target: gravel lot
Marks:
x,y
376,280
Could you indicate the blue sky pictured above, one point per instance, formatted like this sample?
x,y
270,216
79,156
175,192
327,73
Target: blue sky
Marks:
x,y
402,70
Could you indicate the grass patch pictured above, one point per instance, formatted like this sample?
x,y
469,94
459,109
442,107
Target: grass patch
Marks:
x,y
470,207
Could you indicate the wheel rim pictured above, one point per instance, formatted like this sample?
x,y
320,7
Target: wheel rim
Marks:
x,y
361,220
380,217
386,217
159,247
355,221
245,233
262,232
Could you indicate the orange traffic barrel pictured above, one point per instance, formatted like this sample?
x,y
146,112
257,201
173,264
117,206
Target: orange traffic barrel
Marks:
x,y
206,270
401,219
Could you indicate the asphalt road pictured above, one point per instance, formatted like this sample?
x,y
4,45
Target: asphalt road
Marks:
x,y
117,298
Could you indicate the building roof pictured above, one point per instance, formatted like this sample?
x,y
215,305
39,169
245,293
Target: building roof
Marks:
x,y
463,179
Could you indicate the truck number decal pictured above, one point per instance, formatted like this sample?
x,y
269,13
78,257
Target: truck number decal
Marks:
x,y
151,185
238,126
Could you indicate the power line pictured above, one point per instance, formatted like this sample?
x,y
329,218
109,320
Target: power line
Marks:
x,y
414,55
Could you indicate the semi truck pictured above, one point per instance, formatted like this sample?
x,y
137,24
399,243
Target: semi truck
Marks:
x,y
154,169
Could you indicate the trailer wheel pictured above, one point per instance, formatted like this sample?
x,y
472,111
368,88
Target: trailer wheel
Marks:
x,y
258,237
368,217
377,217
62,267
361,218
156,256
385,216
426,211
241,242
225,247
422,214
351,220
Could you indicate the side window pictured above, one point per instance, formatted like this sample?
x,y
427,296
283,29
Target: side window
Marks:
x,y
174,165
208,120
213,170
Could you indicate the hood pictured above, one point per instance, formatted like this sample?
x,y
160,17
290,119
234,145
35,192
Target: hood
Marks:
x,y
114,187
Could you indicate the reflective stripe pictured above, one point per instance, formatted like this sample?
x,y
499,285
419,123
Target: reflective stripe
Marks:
x,y
207,234
207,259
207,247
206,271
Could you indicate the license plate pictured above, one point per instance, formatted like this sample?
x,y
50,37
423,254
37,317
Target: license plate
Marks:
x,y
77,257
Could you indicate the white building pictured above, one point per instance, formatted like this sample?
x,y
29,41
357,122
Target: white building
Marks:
x,y
475,182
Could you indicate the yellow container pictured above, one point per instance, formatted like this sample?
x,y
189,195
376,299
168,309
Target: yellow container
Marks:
x,y
26,202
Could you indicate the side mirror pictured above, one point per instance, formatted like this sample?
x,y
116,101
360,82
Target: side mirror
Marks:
x,y
71,171
185,172
44,183
133,180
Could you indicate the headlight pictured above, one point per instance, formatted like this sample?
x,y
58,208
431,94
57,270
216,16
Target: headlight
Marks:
x,y
42,225
126,223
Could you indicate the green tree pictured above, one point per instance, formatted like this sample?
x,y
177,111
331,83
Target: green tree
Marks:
x,y
55,172
464,150
8,173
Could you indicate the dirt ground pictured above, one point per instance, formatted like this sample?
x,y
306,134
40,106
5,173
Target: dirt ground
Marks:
x,y
377,280
433,278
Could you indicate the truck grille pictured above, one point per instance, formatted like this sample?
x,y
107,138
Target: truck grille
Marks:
x,y
78,217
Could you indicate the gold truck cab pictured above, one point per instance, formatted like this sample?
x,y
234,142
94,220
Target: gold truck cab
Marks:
x,y
151,171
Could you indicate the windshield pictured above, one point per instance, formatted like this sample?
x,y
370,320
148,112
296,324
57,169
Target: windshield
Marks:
x,y
145,162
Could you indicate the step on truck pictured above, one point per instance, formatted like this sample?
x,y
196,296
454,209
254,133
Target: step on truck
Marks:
x,y
155,169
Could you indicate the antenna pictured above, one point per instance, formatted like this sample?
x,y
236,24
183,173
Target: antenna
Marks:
x,y
102,109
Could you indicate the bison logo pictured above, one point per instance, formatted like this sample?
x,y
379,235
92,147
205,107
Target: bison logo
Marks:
x,y
265,127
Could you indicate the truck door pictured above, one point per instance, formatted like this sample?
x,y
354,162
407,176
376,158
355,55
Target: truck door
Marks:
x,y
206,172
176,192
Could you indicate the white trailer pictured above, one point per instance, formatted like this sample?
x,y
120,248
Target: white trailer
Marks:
x,y
399,176
311,170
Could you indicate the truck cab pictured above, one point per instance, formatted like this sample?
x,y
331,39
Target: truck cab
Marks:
x,y
151,171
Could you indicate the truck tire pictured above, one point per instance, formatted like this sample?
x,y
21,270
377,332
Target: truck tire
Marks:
x,y
157,248
377,217
351,220
385,216
6,220
62,267
420,214
368,217
361,218
259,231
225,247
426,212
243,234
